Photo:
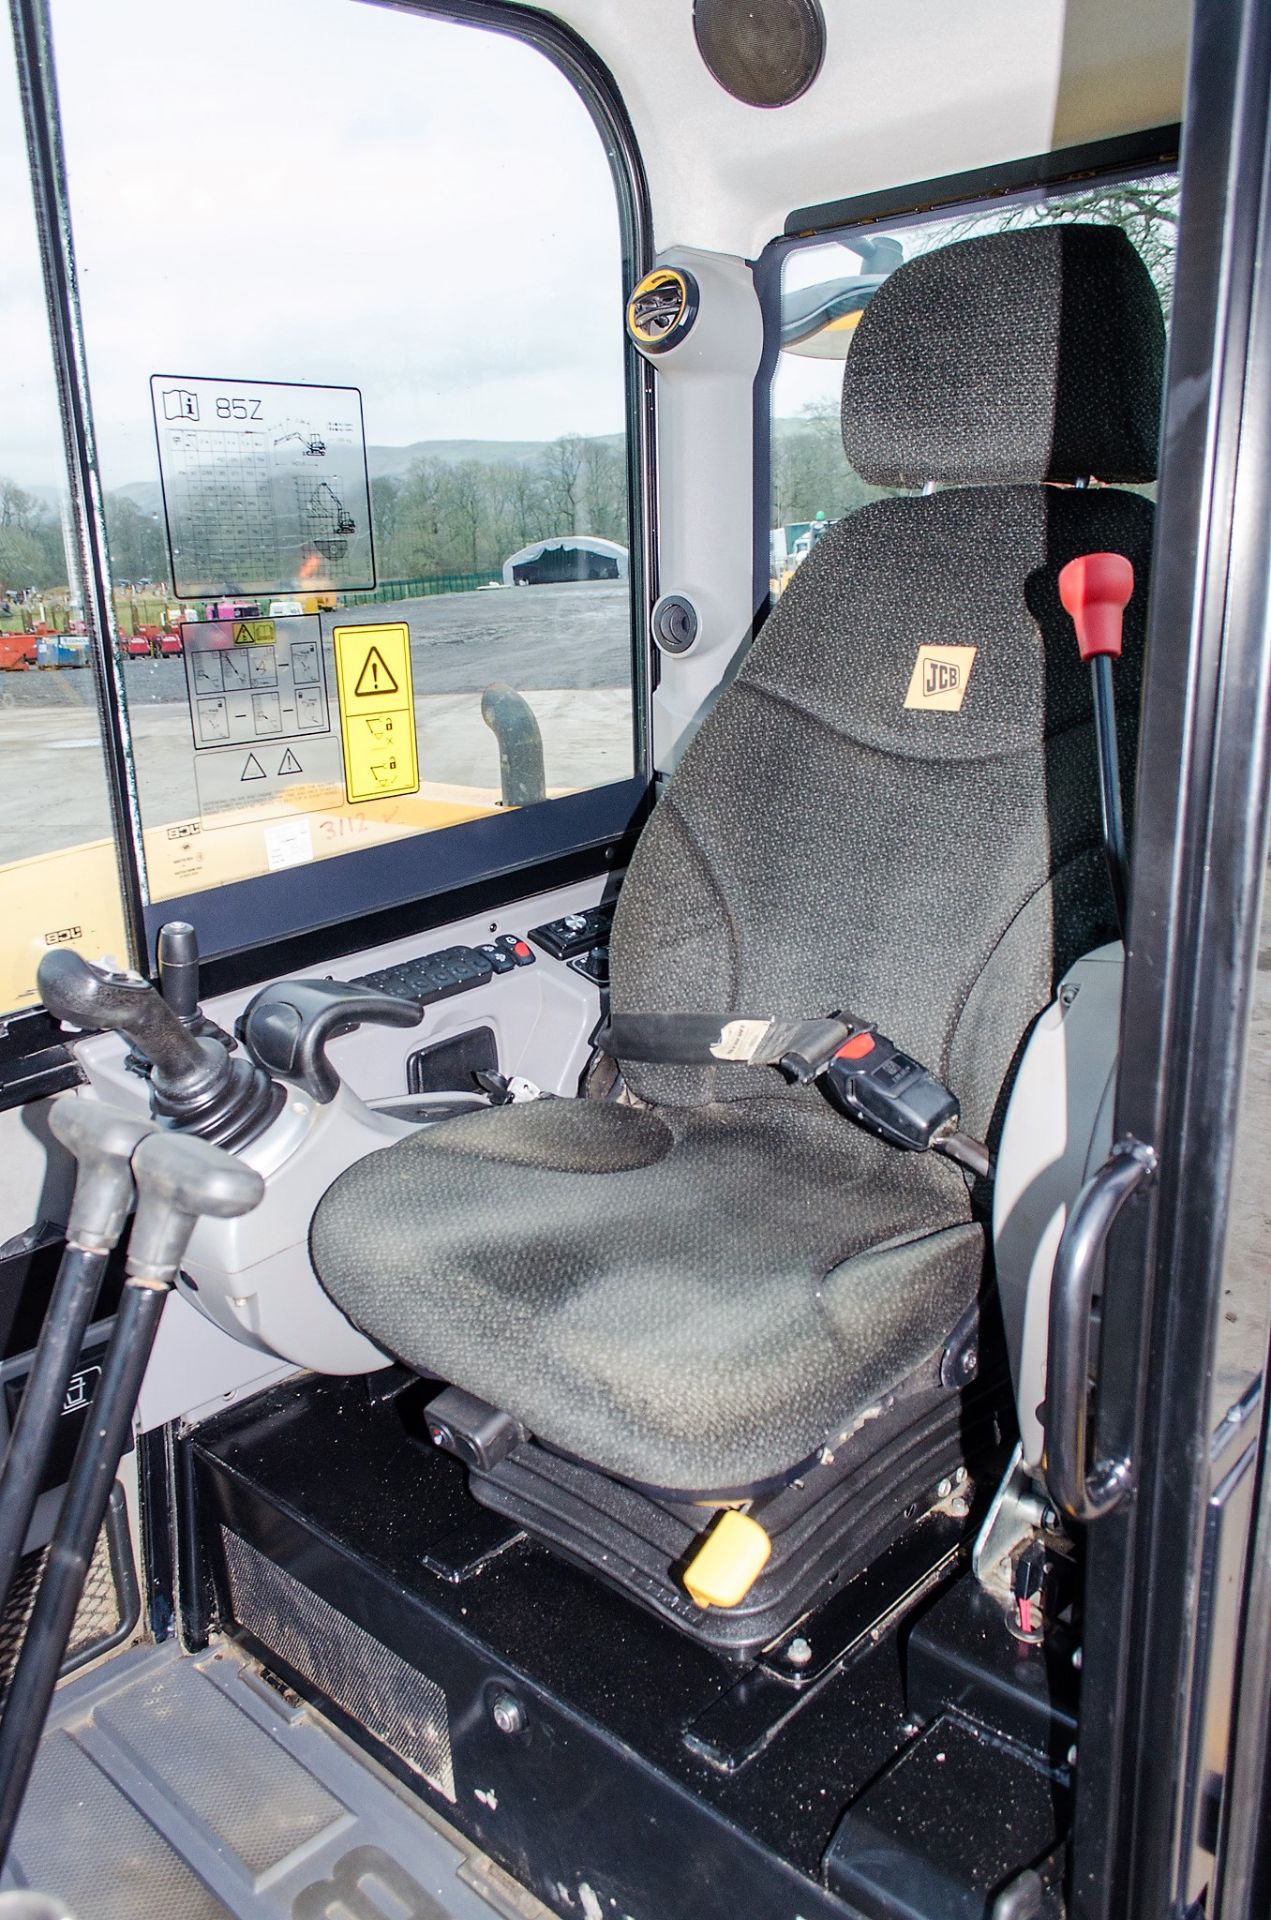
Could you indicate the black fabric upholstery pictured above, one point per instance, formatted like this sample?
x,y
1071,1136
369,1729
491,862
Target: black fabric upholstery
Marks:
x,y
702,1320
697,1292
822,845
1032,355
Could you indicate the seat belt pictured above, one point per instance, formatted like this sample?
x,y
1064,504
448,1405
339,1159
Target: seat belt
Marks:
x,y
862,1073
801,1048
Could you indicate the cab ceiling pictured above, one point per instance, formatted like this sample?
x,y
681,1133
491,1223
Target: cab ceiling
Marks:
x,y
910,90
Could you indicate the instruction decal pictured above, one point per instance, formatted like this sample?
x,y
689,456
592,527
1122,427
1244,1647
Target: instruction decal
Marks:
x,y
250,680
377,711
265,486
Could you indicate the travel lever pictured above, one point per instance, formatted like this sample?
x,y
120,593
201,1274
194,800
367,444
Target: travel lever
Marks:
x,y
103,1141
1095,590
179,1181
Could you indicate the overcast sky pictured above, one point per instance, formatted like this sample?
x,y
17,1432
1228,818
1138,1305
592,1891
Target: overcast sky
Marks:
x,y
316,190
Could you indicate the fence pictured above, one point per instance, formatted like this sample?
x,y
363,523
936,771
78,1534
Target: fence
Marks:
x,y
420,589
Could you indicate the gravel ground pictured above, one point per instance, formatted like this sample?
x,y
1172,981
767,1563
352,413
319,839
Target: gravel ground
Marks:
x,y
567,648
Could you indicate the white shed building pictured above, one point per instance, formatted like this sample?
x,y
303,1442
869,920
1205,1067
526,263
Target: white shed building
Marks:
x,y
566,556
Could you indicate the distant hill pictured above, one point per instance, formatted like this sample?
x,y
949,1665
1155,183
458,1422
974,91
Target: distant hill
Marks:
x,y
391,462
395,462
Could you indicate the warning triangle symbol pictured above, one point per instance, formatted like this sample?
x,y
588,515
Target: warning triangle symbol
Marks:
x,y
289,763
374,677
253,770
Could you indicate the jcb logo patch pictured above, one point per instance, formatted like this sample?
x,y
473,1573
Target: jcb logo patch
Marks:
x,y
938,682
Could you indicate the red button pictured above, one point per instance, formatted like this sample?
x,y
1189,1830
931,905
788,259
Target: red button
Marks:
x,y
520,950
856,1048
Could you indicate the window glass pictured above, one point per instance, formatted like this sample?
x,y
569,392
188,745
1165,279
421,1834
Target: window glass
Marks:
x,y
58,873
352,292
826,286
1246,1289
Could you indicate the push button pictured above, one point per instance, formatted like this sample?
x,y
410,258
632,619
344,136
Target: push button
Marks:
x,y
521,952
859,1047
501,962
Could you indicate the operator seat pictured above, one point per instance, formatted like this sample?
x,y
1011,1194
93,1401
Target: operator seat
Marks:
x,y
699,1291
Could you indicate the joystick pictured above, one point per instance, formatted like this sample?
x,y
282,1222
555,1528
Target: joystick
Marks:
x,y
196,1084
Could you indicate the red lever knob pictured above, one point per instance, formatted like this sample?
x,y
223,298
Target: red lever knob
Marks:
x,y
1095,589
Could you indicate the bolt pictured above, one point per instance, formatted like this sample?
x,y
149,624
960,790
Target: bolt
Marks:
x,y
1076,1658
961,1507
508,1713
1072,1756
799,1652
1050,1519
959,1475
944,1489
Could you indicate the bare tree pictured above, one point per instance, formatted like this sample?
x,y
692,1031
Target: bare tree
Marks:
x,y
562,469
1146,211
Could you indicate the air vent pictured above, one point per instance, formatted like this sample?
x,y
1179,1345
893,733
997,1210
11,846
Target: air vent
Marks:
x,y
662,309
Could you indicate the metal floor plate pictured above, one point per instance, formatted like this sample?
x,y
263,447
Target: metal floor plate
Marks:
x,y
188,1789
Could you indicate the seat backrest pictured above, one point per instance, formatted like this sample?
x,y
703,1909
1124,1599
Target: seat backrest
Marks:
x,y
894,808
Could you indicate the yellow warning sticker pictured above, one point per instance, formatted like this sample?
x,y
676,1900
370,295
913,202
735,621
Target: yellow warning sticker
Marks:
x,y
254,633
377,711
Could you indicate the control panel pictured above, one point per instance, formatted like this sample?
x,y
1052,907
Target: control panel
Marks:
x,y
435,976
574,933
581,940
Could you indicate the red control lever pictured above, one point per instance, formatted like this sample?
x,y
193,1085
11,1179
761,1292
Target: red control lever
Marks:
x,y
1095,589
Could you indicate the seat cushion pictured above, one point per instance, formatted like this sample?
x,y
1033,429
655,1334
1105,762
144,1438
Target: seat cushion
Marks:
x,y
692,1298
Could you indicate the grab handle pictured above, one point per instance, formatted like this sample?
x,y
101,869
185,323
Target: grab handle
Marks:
x,y
1081,1489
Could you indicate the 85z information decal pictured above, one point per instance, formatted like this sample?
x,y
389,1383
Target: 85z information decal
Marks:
x,y
265,487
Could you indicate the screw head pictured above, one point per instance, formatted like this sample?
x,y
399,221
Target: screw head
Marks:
x,y
799,1652
944,1489
508,1713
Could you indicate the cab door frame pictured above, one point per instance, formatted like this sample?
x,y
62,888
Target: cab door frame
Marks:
x,y
1201,839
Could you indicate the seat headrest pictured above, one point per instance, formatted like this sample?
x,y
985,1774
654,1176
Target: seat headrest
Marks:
x,y
1024,356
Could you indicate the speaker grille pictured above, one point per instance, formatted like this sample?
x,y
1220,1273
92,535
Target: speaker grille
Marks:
x,y
394,1701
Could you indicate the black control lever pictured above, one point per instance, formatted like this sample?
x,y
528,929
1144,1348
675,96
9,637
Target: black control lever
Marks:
x,y
286,1027
177,952
178,1181
178,955
195,1085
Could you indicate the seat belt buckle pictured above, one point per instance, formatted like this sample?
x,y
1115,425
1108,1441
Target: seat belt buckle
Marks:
x,y
806,1047
888,1092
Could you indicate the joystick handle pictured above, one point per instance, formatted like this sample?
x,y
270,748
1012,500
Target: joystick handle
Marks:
x,y
196,1086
